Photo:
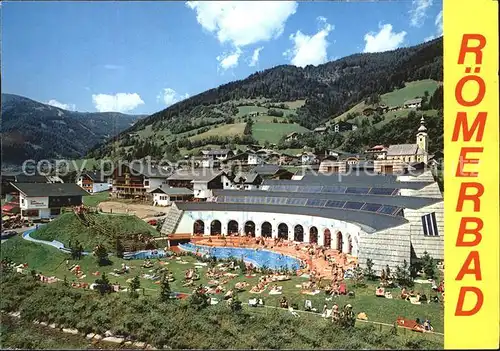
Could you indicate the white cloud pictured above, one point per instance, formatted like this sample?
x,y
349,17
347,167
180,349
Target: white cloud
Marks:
x,y
55,103
229,60
439,27
255,57
242,23
169,96
418,12
310,49
384,40
120,102
439,23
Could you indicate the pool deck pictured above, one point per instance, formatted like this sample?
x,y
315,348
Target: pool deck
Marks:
x,y
314,262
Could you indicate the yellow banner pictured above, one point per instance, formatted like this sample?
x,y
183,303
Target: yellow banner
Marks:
x,y
471,174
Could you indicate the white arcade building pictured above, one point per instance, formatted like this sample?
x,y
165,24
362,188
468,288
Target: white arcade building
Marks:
x,y
386,218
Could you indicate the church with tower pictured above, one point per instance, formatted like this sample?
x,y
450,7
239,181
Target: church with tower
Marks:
x,y
398,157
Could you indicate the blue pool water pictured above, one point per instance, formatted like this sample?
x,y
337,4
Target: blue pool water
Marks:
x,y
144,254
258,258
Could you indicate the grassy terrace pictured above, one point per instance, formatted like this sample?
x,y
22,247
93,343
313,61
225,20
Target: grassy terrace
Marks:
x,y
96,199
68,227
273,132
50,262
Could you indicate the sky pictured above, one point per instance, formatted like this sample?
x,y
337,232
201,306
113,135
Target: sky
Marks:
x,y
141,57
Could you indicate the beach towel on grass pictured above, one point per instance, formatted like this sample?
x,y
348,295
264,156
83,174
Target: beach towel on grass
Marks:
x,y
315,292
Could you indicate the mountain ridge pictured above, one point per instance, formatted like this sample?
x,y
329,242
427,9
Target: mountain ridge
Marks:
x,y
35,130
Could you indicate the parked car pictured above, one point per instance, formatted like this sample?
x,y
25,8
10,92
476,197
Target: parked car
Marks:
x,y
160,214
153,222
8,233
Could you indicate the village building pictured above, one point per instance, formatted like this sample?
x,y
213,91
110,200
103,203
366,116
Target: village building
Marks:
x,y
413,103
342,126
291,136
45,200
165,196
134,179
399,156
220,155
287,159
388,219
377,152
247,181
8,178
94,182
201,181
307,158
320,130
272,172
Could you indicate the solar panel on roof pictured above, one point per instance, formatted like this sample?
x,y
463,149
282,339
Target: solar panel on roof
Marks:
x,y
310,189
334,189
335,204
282,200
381,191
388,209
371,207
354,205
353,190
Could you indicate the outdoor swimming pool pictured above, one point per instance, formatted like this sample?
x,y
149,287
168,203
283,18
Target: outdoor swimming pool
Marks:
x,y
258,258
144,254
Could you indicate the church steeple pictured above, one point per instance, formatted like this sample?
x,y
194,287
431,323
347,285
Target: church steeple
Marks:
x,y
422,140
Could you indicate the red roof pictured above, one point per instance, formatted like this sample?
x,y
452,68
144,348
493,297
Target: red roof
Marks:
x,y
11,208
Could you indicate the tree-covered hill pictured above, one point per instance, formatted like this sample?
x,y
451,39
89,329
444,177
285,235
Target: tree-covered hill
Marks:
x,y
33,130
300,97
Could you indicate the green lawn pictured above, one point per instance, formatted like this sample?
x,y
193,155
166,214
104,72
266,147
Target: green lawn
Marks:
x,y
412,90
273,132
87,163
68,227
94,200
52,262
244,110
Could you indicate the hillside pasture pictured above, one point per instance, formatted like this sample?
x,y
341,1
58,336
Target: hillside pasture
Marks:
x,y
412,90
227,130
272,132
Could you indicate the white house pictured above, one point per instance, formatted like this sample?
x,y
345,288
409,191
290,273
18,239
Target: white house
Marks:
x,y
202,181
221,155
413,103
165,196
307,158
254,158
93,182
45,200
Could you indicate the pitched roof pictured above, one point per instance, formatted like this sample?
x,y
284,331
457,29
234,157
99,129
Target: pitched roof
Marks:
x,y
320,129
266,169
413,101
24,178
248,178
49,189
369,222
195,175
215,152
410,202
172,191
402,149
353,179
95,176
